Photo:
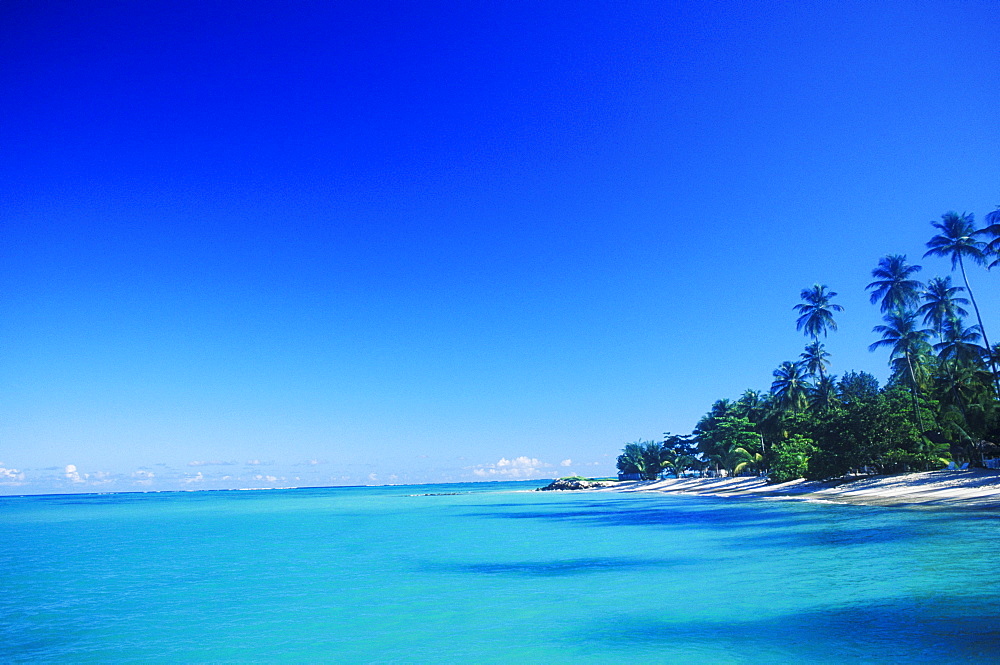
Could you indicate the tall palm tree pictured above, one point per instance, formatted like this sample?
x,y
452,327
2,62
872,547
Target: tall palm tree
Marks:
x,y
790,386
908,342
893,283
992,231
816,311
902,334
814,359
957,241
942,304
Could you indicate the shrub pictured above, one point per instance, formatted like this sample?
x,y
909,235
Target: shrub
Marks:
x,y
790,459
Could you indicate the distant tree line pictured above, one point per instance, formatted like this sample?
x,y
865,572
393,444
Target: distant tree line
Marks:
x,y
940,403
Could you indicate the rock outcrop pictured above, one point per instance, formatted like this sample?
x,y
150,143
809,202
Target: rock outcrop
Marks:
x,y
572,484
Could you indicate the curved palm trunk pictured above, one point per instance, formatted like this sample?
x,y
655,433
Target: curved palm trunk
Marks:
x,y
986,340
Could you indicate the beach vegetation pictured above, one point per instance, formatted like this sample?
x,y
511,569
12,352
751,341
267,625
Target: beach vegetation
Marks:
x,y
790,458
940,403
643,458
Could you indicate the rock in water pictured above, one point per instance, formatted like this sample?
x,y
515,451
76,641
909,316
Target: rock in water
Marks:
x,y
571,484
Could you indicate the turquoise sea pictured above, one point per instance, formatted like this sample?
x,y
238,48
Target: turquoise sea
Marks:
x,y
483,573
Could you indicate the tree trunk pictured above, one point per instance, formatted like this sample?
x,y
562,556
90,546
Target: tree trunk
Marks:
x,y
986,340
816,340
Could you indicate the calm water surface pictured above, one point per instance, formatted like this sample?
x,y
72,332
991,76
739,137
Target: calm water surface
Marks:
x,y
480,573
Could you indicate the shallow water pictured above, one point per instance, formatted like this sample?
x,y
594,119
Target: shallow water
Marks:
x,y
480,573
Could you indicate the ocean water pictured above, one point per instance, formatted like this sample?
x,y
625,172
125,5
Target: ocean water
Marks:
x,y
485,574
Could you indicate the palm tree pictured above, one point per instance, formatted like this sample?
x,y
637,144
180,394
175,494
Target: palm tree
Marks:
x,y
631,461
941,304
814,359
992,230
960,345
823,394
740,459
893,284
902,334
960,368
816,312
908,342
967,387
643,457
790,386
653,458
957,241
755,406
751,404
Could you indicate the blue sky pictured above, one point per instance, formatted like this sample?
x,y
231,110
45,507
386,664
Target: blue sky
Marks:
x,y
263,244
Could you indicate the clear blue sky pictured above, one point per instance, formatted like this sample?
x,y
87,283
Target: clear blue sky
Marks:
x,y
309,243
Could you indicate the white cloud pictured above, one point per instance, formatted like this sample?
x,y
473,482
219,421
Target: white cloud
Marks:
x,y
566,462
194,479
73,475
519,467
100,477
143,477
11,476
212,463
372,477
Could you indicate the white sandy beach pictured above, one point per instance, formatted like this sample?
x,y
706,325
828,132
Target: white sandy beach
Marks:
x,y
979,488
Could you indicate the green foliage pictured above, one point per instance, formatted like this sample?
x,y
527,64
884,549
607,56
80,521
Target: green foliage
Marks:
x,y
790,386
732,442
861,434
826,464
856,386
740,459
902,461
680,453
643,457
790,458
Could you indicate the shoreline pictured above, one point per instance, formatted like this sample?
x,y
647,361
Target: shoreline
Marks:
x,y
972,488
